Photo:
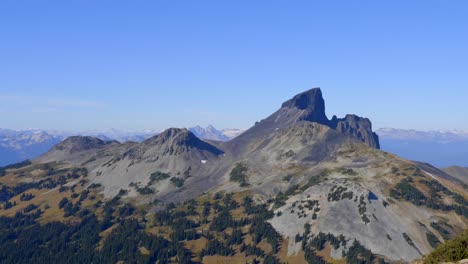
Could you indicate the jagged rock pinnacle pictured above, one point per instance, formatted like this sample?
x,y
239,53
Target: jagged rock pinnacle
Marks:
x,y
312,103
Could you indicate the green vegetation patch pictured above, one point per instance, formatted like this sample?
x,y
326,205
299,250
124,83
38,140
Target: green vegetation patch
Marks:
x,y
356,253
316,179
436,191
56,178
239,174
443,229
362,210
395,171
432,239
338,193
359,254
145,190
13,166
158,176
287,178
347,171
408,240
451,251
177,182
405,190
214,220
281,198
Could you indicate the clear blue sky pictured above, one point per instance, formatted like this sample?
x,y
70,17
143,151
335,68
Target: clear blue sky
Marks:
x,y
90,64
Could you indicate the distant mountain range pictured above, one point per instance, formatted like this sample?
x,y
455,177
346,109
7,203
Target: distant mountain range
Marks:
x,y
440,148
16,146
19,145
209,132
212,133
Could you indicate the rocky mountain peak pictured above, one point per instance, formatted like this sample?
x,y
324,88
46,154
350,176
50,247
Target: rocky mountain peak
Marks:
x,y
309,106
306,100
173,132
178,140
82,143
312,103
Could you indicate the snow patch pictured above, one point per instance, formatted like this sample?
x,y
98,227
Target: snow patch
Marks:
x,y
431,175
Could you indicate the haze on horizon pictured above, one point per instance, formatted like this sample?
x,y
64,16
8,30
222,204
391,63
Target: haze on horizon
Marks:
x,y
87,65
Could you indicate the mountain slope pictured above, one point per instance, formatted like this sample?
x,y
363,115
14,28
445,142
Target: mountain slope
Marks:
x,y
308,107
458,172
320,185
209,132
16,146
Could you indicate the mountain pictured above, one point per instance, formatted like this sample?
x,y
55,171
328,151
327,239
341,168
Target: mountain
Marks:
x,y
16,146
440,148
458,172
297,187
209,132
232,132
307,107
109,134
212,133
20,145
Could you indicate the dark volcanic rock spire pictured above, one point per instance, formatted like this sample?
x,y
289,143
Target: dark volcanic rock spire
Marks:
x,y
309,106
312,103
357,127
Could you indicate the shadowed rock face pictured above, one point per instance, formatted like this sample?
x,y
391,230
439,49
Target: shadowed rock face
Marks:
x,y
313,105
357,127
310,106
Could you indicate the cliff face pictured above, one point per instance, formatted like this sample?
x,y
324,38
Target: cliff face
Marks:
x,y
310,106
311,103
356,127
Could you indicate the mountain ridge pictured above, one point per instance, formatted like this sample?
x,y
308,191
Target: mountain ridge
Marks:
x,y
20,145
316,180
309,106
458,172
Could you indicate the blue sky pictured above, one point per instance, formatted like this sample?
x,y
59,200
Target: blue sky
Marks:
x,y
88,64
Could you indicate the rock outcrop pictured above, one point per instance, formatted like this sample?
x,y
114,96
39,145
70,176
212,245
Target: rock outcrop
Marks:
x,y
309,106
311,103
356,127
